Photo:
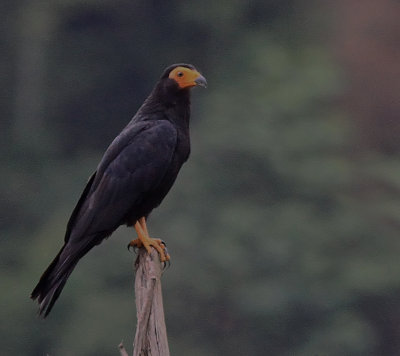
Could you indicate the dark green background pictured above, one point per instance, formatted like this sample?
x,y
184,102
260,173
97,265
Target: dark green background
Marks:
x,y
283,227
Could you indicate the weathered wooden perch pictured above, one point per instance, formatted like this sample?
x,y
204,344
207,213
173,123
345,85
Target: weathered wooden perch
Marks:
x,y
151,332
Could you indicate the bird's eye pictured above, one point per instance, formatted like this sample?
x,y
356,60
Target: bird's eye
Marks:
x,y
179,74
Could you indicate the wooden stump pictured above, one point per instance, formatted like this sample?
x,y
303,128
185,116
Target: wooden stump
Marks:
x,y
151,333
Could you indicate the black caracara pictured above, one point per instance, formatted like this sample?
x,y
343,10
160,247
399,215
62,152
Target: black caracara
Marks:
x,y
135,174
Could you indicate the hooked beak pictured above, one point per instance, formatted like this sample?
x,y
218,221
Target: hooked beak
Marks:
x,y
201,81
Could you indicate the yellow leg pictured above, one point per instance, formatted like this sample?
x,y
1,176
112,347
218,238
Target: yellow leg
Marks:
x,y
142,222
145,240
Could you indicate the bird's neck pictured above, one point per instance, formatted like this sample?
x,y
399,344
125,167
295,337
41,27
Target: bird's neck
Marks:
x,y
174,105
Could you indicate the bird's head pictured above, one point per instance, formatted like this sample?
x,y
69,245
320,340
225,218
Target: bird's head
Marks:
x,y
183,76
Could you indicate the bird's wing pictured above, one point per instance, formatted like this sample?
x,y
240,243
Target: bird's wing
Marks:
x,y
133,165
78,205
119,143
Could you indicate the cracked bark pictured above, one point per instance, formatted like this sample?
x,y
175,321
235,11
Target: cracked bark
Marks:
x,y
151,333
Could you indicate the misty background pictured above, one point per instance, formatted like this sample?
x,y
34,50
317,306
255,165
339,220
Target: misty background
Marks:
x,y
283,227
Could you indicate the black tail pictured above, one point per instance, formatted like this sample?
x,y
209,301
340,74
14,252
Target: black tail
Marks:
x,y
53,280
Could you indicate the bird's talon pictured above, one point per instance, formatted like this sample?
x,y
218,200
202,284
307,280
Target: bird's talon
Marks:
x,y
146,241
167,256
167,263
135,244
129,247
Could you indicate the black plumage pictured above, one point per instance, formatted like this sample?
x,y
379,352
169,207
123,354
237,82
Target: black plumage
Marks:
x,y
136,172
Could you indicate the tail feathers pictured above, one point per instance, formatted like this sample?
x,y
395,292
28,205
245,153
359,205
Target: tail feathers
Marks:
x,y
46,302
56,275
53,280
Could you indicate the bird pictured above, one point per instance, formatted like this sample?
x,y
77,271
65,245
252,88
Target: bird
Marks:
x,y
134,175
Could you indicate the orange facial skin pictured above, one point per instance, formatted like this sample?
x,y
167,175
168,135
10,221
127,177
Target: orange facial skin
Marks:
x,y
186,77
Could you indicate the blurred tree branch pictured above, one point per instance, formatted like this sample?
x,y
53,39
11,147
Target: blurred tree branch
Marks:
x,y
34,28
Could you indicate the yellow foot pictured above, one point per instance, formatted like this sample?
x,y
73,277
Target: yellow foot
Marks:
x,y
136,243
144,240
158,244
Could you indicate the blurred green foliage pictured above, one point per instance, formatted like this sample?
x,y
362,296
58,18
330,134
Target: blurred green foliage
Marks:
x,y
283,232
